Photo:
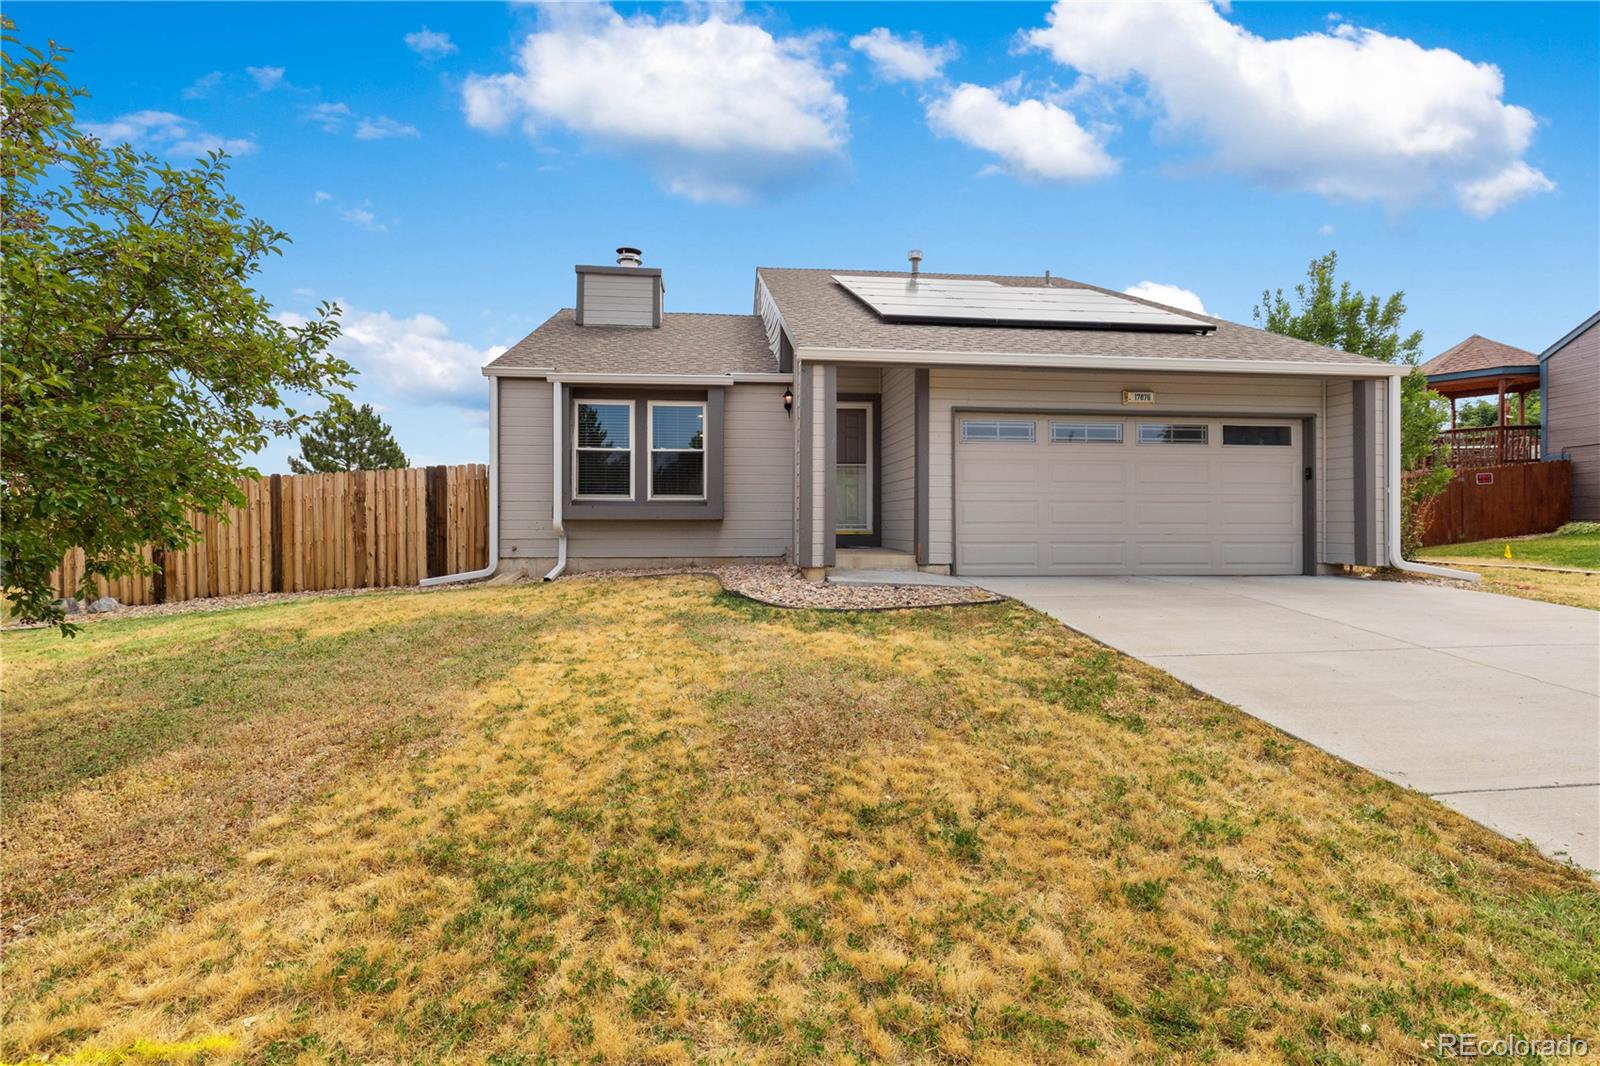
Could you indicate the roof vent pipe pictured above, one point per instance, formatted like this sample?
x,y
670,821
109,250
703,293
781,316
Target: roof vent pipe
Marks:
x,y
629,257
915,255
1047,278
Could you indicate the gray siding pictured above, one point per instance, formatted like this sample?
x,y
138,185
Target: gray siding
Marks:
x,y
1571,410
616,300
525,472
897,508
1099,390
756,449
1338,481
859,379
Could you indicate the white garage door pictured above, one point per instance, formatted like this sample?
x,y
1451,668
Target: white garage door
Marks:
x,y
1053,494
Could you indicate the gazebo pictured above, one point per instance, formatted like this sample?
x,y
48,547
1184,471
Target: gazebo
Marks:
x,y
1476,367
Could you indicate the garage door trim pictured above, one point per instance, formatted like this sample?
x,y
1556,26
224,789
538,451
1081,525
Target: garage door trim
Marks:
x,y
1308,438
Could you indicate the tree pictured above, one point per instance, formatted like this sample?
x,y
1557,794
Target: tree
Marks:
x,y
140,369
1334,314
1481,413
345,437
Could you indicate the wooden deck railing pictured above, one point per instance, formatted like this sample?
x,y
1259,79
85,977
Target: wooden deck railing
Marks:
x,y
1483,446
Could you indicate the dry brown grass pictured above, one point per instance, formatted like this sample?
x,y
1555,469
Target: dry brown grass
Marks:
x,y
652,822
1551,586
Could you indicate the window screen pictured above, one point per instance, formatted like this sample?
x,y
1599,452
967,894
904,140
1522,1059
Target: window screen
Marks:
x,y
677,450
1273,436
1172,433
605,450
1005,431
1086,432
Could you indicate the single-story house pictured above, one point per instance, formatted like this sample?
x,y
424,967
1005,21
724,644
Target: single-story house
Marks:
x,y
954,423
1569,374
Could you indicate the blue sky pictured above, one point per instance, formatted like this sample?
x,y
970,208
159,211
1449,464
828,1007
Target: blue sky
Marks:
x,y
442,184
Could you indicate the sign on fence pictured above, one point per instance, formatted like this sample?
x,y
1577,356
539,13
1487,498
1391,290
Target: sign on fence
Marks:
x,y
304,532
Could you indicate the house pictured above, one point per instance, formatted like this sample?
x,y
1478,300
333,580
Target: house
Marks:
x,y
1569,374
981,425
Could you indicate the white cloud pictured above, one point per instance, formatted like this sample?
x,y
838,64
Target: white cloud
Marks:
x,y
1325,230
203,86
903,58
378,127
1034,139
320,197
411,358
330,117
165,133
430,44
718,106
266,78
1350,114
1171,295
364,218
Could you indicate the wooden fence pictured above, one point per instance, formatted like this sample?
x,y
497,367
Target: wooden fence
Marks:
x,y
1500,501
304,532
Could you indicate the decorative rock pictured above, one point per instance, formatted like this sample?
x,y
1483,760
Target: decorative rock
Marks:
x,y
104,605
69,606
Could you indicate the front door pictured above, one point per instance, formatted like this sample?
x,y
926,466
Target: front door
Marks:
x,y
852,485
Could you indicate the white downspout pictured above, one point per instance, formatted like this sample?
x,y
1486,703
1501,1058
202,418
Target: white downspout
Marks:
x,y
558,466
1392,497
494,499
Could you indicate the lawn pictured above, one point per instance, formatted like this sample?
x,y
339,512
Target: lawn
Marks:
x,y
1580,550
648,821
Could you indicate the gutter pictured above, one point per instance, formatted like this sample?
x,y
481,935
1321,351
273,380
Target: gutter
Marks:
x,y
1397,559
494,500
558,468
1366,368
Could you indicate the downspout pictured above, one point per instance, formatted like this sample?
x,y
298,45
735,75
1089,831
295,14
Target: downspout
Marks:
x,y
558,466
494,499
1397,559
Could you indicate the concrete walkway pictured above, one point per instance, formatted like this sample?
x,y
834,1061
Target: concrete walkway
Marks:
x,y
1488,703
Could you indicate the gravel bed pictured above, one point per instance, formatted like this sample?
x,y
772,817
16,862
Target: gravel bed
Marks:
x,y
782,586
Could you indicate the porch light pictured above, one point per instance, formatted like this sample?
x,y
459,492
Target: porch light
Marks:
x,y
788,401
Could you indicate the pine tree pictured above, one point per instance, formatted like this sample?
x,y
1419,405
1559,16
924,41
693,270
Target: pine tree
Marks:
x,y
346,437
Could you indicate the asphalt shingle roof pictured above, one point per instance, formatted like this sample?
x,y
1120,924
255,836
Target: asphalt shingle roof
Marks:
x,y
686,343
821,314
1479,353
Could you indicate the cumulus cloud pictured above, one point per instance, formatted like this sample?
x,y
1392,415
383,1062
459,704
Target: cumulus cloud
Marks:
x,y
896,58
1171,295
1350,114
430,44
719,107
413,358
1035,140
203,86
266,78
165,133
380,126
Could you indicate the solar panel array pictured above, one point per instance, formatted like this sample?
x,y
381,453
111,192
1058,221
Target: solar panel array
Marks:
x,y
988,303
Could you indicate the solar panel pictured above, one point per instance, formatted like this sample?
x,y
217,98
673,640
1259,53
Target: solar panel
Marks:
x,y
988,303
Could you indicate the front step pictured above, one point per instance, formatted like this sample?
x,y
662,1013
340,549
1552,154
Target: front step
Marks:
x,y
873,559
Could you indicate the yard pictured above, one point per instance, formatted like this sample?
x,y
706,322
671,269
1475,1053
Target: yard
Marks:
x,y
1539,567
648,820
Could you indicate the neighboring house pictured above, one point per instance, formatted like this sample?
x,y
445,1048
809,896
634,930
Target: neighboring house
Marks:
x,y
1570,374
1479,366
980,425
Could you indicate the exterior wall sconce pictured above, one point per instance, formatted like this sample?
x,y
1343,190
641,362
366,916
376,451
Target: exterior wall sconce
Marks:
x,y
788,401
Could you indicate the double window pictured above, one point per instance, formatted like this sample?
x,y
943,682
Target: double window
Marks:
x,y
603,460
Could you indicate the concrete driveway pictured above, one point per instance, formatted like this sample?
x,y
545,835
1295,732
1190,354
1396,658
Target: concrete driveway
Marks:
x,y
1487,703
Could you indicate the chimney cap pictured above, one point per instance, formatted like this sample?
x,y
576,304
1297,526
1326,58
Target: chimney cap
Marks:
x,y
628,256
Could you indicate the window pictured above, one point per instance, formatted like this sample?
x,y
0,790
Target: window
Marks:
x,y
677,450
1086,432
1008,432
1169,433
604,462
1274,436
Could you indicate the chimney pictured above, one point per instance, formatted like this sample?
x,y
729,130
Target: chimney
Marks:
x,y
628,294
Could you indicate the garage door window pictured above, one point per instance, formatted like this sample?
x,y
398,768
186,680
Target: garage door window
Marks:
x,y
1086,432
1172,433
1268,436
1003,431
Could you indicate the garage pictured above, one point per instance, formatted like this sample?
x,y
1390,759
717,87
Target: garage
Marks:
x,y
1048,494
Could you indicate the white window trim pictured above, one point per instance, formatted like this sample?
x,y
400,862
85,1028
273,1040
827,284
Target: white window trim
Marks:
x,y
578,449
1122,432
1032,438
651,449
1205,428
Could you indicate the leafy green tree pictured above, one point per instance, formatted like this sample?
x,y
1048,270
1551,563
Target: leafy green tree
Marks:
x,y
1332,313
1481,413
346,437
140,367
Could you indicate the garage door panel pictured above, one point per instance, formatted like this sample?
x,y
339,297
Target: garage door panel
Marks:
x,y
1098,508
